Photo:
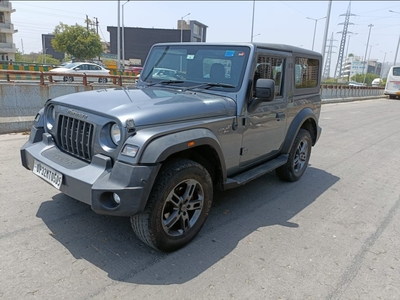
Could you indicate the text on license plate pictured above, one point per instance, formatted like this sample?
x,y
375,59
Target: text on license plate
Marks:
x,y
48,174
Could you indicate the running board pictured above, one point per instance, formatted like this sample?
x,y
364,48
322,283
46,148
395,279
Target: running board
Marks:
x,y
256,172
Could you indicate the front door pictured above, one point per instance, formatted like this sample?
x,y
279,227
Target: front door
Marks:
x,y
264,129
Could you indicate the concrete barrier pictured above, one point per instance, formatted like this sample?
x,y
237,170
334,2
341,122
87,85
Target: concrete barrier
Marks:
x,y
19,102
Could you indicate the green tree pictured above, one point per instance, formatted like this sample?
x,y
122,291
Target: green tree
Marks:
x,y
18,55
47,59
77,41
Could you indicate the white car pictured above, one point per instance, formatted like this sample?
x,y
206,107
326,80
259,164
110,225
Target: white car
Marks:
x,y
80,68
354,83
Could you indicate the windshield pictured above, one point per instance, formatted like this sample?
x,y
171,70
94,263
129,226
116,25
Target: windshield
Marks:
x,y
192,65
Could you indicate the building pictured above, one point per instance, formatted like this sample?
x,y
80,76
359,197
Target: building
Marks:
x,y
7,47
356,65
197,30
47,48
138,41
353,65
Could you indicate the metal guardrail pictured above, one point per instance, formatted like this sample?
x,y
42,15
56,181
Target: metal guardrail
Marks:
x,y
327,91
47,77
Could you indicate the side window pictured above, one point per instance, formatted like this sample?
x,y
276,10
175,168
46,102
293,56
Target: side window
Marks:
x,y
396,71
269,67
3,38
306,72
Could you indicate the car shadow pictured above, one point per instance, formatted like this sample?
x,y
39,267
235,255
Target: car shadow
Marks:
x,y
110,244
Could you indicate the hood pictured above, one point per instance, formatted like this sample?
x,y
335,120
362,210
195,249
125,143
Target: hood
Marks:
x,y
149,106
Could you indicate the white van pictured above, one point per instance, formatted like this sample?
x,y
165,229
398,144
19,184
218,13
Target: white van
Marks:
x,y
392,87
376,82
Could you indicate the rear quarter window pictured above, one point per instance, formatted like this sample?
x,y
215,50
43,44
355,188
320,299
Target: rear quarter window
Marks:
x,y
306,72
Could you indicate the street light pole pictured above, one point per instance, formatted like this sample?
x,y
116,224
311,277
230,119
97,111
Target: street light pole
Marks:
x,y
366,50
252,20
383,63
370,50
348,43
398,43
315,29
182,26
118,40
397,50
328,17
123,37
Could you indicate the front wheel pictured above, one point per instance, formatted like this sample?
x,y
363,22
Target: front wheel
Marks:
x,y
102,80
177,208
298,158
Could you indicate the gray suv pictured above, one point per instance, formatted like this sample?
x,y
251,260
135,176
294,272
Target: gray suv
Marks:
x,y
203,116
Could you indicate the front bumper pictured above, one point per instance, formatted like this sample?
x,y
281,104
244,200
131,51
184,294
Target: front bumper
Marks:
x,y
94,183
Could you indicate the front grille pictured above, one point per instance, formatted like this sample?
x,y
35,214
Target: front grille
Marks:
x,y
75,137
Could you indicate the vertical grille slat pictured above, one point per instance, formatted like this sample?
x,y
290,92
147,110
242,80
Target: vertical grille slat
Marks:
x,y
78,138
72,136
88,140
62,132
75,137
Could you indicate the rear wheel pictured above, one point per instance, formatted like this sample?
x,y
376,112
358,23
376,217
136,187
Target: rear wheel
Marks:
x,y
177,208
298,158
68,78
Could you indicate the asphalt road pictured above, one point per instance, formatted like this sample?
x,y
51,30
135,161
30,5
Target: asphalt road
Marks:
x,y
332,235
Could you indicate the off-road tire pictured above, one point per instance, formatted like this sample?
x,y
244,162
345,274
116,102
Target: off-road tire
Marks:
x,y
298,158
167,205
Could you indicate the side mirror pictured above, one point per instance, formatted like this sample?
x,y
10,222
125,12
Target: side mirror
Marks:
x,y
264,92
77,68
265,89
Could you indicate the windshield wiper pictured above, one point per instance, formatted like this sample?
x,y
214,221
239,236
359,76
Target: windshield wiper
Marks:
x,y
166,82
208,85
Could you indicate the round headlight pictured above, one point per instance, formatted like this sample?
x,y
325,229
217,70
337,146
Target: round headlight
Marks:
x,y
50,117
115,133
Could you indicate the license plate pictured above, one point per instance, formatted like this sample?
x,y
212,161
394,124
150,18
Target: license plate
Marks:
x,y
48,174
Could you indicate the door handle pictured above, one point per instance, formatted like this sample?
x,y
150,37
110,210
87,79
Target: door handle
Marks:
x,y
280,116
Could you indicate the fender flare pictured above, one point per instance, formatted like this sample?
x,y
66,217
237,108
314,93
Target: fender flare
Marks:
x,y
297,123
159,149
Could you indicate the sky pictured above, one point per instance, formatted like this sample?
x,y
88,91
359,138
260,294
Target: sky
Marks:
x,y
283,22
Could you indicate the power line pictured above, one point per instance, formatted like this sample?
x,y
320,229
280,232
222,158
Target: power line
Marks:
x,y
61,10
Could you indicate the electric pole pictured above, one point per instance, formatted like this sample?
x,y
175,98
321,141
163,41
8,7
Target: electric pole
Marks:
x,y
338,72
